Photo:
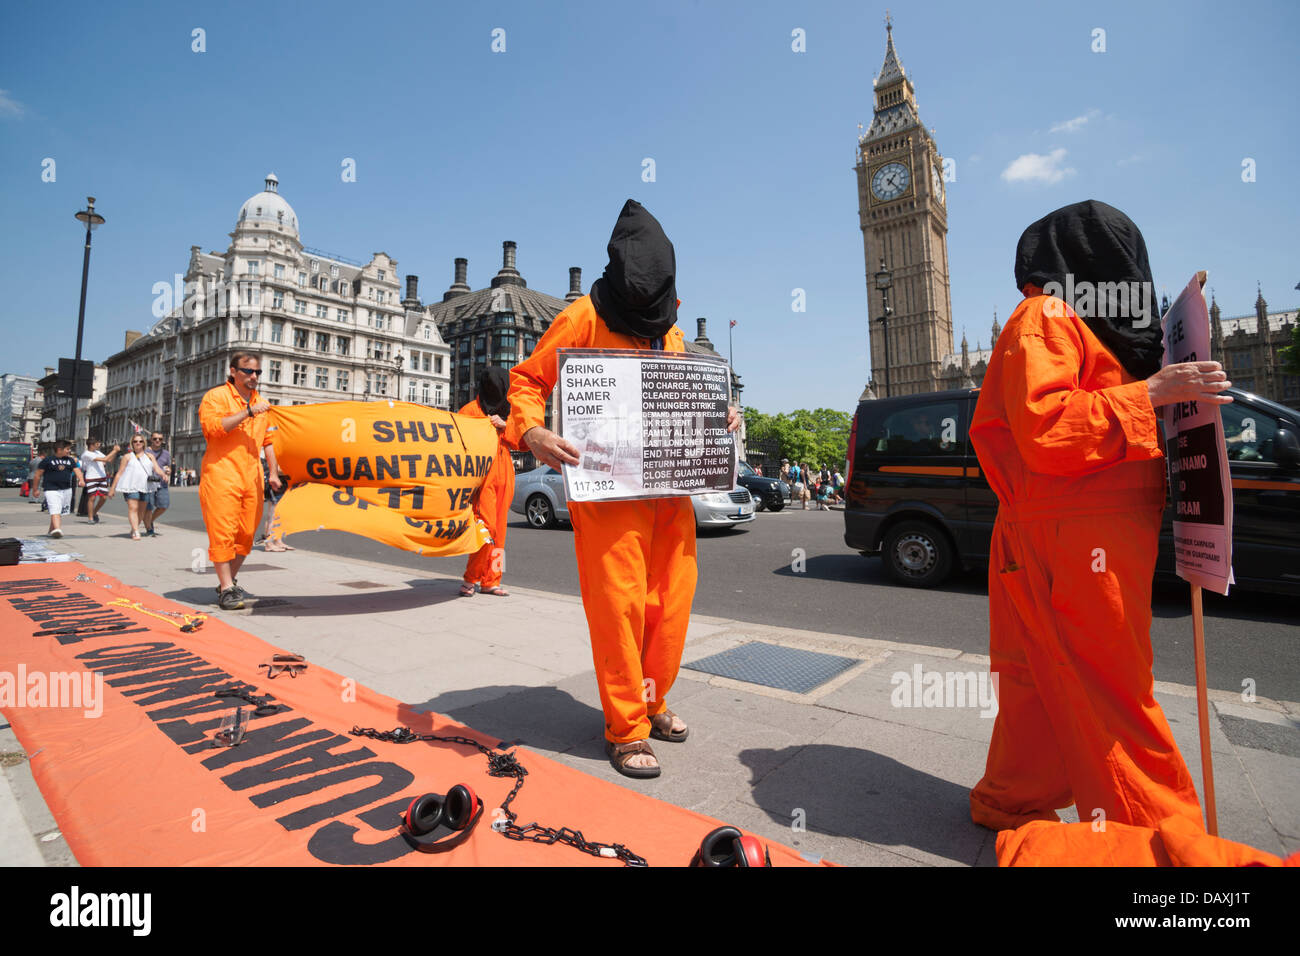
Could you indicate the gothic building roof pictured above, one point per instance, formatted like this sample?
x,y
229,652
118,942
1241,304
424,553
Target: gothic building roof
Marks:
x,y
893,66
1249,324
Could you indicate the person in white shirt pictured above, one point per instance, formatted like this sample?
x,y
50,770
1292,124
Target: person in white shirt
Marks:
x,y
133,480
92,466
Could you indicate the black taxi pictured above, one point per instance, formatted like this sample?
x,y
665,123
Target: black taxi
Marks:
x,y
916,495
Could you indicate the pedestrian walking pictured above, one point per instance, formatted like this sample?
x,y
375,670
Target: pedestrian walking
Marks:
x,y
486,566
54,476
94,467
132,479
159,499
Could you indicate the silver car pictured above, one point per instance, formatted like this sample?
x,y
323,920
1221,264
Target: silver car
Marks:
x,y
539,497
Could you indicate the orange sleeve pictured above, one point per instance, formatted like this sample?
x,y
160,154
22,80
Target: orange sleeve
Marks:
x,y
1062,429
532,380
210,415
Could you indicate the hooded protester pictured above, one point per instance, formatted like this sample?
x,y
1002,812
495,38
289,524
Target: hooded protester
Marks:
x,y
1065,429
485,566
636,559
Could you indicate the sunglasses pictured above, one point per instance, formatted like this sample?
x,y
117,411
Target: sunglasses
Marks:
x,y
249,371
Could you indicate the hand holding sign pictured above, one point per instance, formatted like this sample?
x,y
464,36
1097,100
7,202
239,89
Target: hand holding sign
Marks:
x,y
550,449
1189,382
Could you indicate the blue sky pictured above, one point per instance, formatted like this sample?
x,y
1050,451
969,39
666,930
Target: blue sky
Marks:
x,y
458,147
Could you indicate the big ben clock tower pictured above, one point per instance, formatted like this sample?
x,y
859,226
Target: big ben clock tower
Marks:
x,y
904,220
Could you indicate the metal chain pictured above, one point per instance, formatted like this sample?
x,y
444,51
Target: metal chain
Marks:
x,y
503,764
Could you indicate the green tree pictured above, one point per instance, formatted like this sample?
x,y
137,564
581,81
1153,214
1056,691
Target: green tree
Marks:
x,y
1291,354
817,437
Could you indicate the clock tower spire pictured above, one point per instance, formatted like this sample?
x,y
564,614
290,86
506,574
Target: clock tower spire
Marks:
x,y
903,215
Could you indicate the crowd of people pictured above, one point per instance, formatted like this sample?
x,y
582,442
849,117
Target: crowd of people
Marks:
x,y
822,487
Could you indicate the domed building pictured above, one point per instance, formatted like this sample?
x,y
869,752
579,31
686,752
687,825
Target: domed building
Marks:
x,y
327,328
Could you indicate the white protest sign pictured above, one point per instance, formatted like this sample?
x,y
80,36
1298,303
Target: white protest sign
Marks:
x,y
1200,483
646,424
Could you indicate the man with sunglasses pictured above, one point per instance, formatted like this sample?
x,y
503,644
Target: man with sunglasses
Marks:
x,y
159,499
233,419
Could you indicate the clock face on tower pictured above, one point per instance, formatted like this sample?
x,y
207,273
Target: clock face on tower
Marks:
x,y
890,181
936,177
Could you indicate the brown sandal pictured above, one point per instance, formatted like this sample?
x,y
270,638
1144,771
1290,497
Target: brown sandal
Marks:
x,y
620,753
661,728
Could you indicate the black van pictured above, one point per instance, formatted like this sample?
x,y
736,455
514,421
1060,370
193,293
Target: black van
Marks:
x,y
917,497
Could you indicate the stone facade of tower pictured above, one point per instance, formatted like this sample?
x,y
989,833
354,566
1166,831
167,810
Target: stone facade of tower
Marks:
x,y
904,221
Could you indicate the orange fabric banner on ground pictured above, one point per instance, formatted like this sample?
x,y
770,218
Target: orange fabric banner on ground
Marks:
x,y
399,473
115,706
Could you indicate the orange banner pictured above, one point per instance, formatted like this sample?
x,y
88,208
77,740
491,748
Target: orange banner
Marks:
x,y
115,706
398,473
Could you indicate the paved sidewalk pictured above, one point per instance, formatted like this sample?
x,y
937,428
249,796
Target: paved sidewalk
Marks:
x,y
838,773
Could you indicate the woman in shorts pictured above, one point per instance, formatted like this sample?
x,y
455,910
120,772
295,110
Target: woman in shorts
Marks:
x,y
132,479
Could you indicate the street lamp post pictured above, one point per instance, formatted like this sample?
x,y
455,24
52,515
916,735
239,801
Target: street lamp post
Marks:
x,y
397,364
93,221
884,279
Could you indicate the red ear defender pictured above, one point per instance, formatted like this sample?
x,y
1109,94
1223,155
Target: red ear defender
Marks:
x,y
435,822
727,846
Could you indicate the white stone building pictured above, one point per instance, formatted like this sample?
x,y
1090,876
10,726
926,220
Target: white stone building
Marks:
x,y
15,390
326,329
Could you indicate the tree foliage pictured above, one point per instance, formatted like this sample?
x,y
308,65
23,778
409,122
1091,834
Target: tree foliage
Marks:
x,y
1291,354
817,437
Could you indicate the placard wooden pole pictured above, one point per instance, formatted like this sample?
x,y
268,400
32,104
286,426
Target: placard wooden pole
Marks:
x,y
1203,712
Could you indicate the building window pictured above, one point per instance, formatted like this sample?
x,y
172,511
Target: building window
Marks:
x,y
254,267
381,384
437,395
415,361
277,331
410,390
334,272
279,271
322,377
341,345
322,342
424,393
277,299
300,339
343,315
273,372
315,266
381,275
302,279
299,374
428,333
341,380
322,312
300,306
437,364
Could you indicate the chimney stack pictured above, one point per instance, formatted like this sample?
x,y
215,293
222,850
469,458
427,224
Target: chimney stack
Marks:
x,y
412,300
508,275
459,287
575,284
702,337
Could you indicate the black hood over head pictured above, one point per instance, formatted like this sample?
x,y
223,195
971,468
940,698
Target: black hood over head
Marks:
x,y
637,295
1093,243
493,387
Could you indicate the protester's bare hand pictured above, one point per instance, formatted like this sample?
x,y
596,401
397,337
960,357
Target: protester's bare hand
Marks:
x,y
549,448
498,422
734,418
260,408
1189,382
275,483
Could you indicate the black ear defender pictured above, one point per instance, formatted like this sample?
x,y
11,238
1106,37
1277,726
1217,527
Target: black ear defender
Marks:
x,y
435,821
727,846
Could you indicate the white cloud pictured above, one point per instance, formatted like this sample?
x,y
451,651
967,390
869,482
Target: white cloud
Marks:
x,y
1034,168
9,107
1076,124
1135,158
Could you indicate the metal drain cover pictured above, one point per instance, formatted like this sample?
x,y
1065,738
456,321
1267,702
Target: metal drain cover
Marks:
x,y
785,668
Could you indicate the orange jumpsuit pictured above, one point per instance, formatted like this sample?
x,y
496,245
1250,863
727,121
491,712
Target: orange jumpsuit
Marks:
x,y
636,559
230,493
1069,443
486,565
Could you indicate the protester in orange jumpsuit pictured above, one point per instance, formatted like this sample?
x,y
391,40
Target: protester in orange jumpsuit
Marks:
x,y
233,419
486,565
1065,429
636,559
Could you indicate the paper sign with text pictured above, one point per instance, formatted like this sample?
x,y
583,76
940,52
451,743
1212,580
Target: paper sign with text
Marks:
x,y
1199,481
646,424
